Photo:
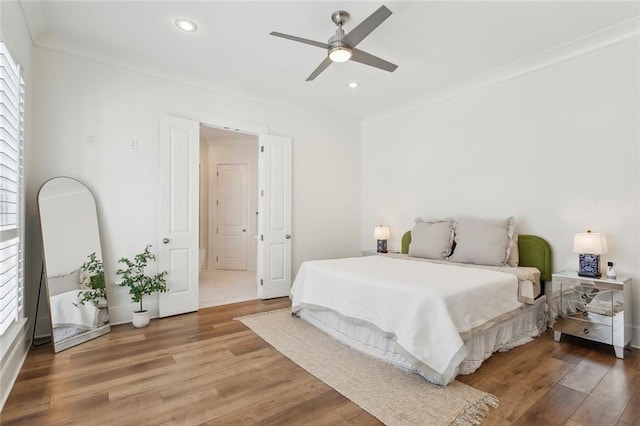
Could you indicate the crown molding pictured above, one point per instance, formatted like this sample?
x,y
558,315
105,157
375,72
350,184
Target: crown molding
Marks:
x,y
33,18
598,40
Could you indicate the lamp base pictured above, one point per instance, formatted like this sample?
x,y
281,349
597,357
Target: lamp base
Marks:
x,y
382,246
589,265
586,274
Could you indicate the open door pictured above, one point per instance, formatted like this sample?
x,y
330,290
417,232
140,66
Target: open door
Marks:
x,y
274,217
179,202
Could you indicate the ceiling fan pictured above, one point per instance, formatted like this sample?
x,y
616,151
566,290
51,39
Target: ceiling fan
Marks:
x,y
341,47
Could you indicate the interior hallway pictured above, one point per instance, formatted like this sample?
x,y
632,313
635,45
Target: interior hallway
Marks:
x,y
222,287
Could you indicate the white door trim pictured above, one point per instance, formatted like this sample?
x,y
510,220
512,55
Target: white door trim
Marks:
x,y
231,124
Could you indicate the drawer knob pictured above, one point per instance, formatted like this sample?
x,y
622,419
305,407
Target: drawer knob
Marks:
x,y
585,331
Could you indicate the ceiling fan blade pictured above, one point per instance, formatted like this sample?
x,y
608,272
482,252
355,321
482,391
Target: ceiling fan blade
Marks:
x,y
323,66
300,39
374,61
366,27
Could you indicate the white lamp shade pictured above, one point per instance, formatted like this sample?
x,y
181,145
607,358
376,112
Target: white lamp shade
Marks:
x,y
381,233
590,242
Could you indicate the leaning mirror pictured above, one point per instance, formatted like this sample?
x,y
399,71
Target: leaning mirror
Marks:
x,y
72,263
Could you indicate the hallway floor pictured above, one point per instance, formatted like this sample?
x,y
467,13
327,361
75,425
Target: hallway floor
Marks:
x,y
221,287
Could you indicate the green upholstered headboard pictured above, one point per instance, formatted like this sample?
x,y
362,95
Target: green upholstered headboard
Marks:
x,y
534,251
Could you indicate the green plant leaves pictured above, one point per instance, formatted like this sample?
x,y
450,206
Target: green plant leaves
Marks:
x,y
96,292
140,284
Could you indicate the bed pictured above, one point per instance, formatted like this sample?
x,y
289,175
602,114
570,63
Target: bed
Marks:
x,y
69,318
434,317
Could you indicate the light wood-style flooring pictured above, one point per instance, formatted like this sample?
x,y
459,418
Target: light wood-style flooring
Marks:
x,y
206,368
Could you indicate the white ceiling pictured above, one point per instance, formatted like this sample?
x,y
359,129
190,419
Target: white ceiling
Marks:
x,y
434,44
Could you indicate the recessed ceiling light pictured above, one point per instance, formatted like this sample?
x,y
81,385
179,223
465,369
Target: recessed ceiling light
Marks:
x,y
186,25
353,84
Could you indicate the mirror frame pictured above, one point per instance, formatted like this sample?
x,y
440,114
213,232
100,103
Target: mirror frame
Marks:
x,y
90,334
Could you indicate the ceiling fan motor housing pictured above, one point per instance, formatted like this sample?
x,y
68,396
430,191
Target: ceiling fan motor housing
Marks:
x,y
338,50
336,39
340,17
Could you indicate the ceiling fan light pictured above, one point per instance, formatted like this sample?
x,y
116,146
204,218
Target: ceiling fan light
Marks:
x,y
340,54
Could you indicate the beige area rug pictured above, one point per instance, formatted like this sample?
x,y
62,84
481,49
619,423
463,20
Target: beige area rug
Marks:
x,y
388,393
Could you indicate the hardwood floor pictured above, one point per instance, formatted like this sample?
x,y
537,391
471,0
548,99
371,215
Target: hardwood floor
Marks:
x,y
206,368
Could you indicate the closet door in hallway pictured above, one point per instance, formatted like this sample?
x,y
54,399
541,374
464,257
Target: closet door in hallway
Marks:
x,y
232,216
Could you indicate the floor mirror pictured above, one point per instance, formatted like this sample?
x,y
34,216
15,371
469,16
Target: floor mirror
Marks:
x,y
73,270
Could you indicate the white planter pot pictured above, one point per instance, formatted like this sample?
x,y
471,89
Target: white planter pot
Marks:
x,y
140,319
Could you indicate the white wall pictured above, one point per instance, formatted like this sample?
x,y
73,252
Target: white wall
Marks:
x,y
556,147
79,98
15,342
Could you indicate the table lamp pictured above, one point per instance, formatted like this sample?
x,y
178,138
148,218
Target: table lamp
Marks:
x,y
381,233
589,246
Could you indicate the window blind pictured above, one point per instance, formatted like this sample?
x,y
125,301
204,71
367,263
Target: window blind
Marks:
x,y
12,109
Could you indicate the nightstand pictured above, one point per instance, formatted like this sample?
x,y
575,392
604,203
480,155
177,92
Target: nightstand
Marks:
x,y
593,308
374,252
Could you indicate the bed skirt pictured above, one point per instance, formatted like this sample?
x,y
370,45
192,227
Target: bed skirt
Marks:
x,y
519,327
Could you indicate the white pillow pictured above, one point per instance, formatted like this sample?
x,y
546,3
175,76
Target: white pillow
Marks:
x,y
514,254
63,283
431,239
483,242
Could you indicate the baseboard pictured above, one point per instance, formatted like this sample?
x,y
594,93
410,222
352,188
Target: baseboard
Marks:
x,y
122,314
43,327
117,315
635,337
13,361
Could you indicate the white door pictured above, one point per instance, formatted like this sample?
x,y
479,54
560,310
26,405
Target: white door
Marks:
x,y
274,217
232,221
179,201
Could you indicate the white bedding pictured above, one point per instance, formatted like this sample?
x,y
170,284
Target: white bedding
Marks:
x,y
66,311
424,306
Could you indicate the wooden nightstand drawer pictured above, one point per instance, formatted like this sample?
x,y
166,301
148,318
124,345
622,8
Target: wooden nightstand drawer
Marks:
x,y
586,329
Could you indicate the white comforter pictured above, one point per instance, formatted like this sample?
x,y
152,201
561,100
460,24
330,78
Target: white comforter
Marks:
x,y
425,305
66,311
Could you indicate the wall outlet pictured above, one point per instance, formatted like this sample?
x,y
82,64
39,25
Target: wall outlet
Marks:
x,y
133,144
91,140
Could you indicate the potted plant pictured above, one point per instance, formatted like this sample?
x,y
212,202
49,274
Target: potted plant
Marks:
x,y
140,284
92,282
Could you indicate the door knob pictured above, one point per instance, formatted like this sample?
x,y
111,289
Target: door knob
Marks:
x,y
165,240
288,237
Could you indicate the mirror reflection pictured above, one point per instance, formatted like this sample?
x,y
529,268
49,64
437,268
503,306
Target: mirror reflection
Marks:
x,y
73,263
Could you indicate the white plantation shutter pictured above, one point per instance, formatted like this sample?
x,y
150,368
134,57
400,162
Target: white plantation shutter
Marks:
x,y
9,271
12,107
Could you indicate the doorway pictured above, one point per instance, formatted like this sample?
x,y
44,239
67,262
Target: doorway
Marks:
x,y
228,216
181,212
